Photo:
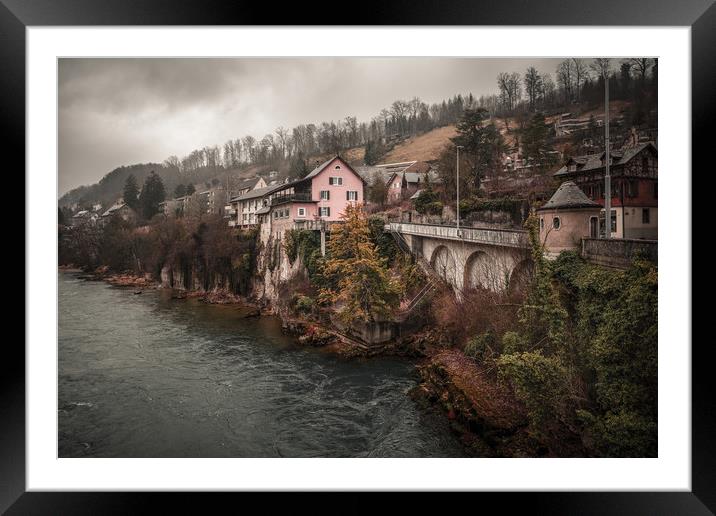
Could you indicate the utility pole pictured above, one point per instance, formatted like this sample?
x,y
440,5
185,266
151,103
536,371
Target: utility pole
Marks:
x,y
457,184
607,177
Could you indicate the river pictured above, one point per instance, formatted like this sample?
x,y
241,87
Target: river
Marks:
x,y
150,376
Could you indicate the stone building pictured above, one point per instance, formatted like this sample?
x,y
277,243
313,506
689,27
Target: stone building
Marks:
x,y
566,218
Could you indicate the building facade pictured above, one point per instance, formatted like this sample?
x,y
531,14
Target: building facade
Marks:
x,y
315,201
634,187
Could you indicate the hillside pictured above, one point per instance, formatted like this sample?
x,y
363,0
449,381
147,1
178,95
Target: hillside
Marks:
x,y
425,147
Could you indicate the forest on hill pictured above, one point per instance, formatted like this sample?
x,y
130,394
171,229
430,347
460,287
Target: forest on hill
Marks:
x,y
576,86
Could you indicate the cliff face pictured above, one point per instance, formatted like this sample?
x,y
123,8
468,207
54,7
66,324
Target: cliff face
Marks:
x,y
273,271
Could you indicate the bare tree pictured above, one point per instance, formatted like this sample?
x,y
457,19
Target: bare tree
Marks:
x,y
601,66
581,74
533,86
565,78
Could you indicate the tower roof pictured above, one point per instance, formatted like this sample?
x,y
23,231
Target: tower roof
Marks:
x,y
568,195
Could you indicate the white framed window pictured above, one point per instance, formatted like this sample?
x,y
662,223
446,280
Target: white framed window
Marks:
x,y
335,181
325,211
301,212
351,195
325,195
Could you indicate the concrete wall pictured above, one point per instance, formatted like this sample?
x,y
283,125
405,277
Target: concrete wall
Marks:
x,y
617,253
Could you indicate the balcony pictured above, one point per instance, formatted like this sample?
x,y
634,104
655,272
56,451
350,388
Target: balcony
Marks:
x,y
292,197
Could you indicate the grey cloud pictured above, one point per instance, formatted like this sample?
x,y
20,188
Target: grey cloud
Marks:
x,y
121,111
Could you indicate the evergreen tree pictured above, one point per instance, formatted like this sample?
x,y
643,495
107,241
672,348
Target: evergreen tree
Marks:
x,y
152,194
131,192
357,277
378,190
535,140
180,191
482,144
299,167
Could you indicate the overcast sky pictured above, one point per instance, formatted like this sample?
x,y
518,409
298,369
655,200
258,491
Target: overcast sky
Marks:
x,y
116,112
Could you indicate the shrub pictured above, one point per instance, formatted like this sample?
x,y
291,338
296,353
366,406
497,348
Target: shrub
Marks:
x,y
512,342
481,346
541,382
304,304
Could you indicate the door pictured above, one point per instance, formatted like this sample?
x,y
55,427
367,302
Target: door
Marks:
x,y
593,227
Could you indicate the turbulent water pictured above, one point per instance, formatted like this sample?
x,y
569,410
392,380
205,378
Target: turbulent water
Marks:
x,y
149,376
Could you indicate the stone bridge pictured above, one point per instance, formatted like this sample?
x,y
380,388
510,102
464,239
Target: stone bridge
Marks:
x,y
497,259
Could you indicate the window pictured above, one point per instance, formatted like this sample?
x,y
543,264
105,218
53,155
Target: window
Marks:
x,y
656,190
302,212
351,195
645,216
555,223
338,167
324,212
325,195
335,181
541,222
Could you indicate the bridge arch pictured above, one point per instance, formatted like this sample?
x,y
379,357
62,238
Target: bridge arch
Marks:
x,y
476,270
521,276
443,262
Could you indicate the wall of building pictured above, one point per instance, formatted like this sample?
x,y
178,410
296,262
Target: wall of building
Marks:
x,y
395,190
279,225
573,226
634,225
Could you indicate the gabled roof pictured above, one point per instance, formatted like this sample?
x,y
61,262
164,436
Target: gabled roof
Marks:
x,y
313,173
257,192
595,161
248,183
419,177
113,208
568,195
417,194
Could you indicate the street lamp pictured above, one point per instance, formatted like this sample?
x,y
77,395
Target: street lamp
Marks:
x,y
457,204
607,177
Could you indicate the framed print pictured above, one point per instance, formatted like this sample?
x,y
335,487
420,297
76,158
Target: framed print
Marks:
x,y
389,256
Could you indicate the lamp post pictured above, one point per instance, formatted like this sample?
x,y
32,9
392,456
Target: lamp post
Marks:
x,y
607,177
457,185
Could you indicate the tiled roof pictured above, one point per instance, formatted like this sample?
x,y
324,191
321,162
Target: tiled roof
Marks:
x,y
418,177
594,161
568,195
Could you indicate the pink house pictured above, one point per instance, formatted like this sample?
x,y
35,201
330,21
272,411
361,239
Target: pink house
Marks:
x,y
320,196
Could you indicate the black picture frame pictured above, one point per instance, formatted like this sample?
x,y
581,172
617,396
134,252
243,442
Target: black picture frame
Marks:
x,y
16,15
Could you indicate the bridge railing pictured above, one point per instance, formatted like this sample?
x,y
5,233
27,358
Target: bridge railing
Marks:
x,y
499,237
